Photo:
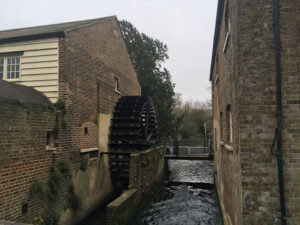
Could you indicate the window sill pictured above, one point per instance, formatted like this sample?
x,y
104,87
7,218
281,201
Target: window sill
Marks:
x,y
89,150
50,149
12,79
118,92
227,147
226,42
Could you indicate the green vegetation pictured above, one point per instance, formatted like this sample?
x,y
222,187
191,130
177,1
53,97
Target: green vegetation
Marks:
x,y
148,55
50,217
59,174
54,184
84,162
60,105
195,119
64,167
37,190
74,202
176,120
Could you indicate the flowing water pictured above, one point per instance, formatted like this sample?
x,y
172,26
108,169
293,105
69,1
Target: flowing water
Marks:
x,y
188,198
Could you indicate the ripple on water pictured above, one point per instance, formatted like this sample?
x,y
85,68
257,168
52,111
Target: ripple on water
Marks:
x,y
183,204
188,206
194,171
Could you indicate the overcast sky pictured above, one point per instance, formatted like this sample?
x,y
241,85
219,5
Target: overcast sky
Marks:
x,y
186,26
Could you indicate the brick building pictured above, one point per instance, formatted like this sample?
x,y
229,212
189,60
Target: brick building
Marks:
x,y
247,94
84,67
25,117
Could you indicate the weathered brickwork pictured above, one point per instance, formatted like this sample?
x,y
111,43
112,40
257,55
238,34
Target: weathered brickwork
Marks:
x,y
145,175
246,170
146,169
91,58
23,157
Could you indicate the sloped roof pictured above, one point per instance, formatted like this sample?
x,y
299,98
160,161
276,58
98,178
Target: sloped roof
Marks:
x,y
22,94
216,35
52,30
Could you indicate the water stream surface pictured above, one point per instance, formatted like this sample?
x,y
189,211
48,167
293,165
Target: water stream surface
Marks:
x,y
188,198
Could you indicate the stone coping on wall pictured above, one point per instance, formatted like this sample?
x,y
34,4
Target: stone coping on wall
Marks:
x,y
122,209
121,200
145,173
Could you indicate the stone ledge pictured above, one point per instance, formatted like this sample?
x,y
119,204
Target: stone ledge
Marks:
x,y
122,199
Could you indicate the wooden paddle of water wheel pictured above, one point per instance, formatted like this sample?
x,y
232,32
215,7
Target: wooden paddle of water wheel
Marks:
x,y
133,129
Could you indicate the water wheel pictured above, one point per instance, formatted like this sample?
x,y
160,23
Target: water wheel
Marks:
x,y
133,129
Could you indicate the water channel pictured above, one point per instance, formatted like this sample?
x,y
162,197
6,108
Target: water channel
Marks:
x,y
187,198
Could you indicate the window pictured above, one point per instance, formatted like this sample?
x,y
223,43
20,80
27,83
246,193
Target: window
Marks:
x,y
216,139
1,68
86,130
217,69
221,126
227,27
227,20
116,83
10,68
50,141
228,124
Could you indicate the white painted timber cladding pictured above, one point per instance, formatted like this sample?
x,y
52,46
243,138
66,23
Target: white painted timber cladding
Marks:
x,y
39,64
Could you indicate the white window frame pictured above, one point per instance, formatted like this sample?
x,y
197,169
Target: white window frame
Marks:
x,y
117,85
5,67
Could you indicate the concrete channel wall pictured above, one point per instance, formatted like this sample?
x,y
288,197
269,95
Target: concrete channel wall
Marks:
x,y
146,173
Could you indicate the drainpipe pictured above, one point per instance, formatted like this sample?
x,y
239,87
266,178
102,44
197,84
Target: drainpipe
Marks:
x,y
279,112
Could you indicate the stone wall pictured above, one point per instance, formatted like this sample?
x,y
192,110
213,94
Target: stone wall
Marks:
x,y
23,157
246,176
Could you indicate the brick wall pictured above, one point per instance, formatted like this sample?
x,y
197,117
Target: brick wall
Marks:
x,y
145,175
90,58
225,97
249,170
146,169
23,156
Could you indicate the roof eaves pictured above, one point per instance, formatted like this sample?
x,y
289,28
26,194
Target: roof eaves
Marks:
x,y
216,35
33,36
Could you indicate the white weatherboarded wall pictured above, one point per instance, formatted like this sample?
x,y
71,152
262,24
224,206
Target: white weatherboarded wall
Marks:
x,y
39,64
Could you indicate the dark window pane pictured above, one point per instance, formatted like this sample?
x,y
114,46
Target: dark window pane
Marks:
x,y
1,61
13,75
17,74
17,67
1,76
8,68
8,75
8,61
18,60
13,60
